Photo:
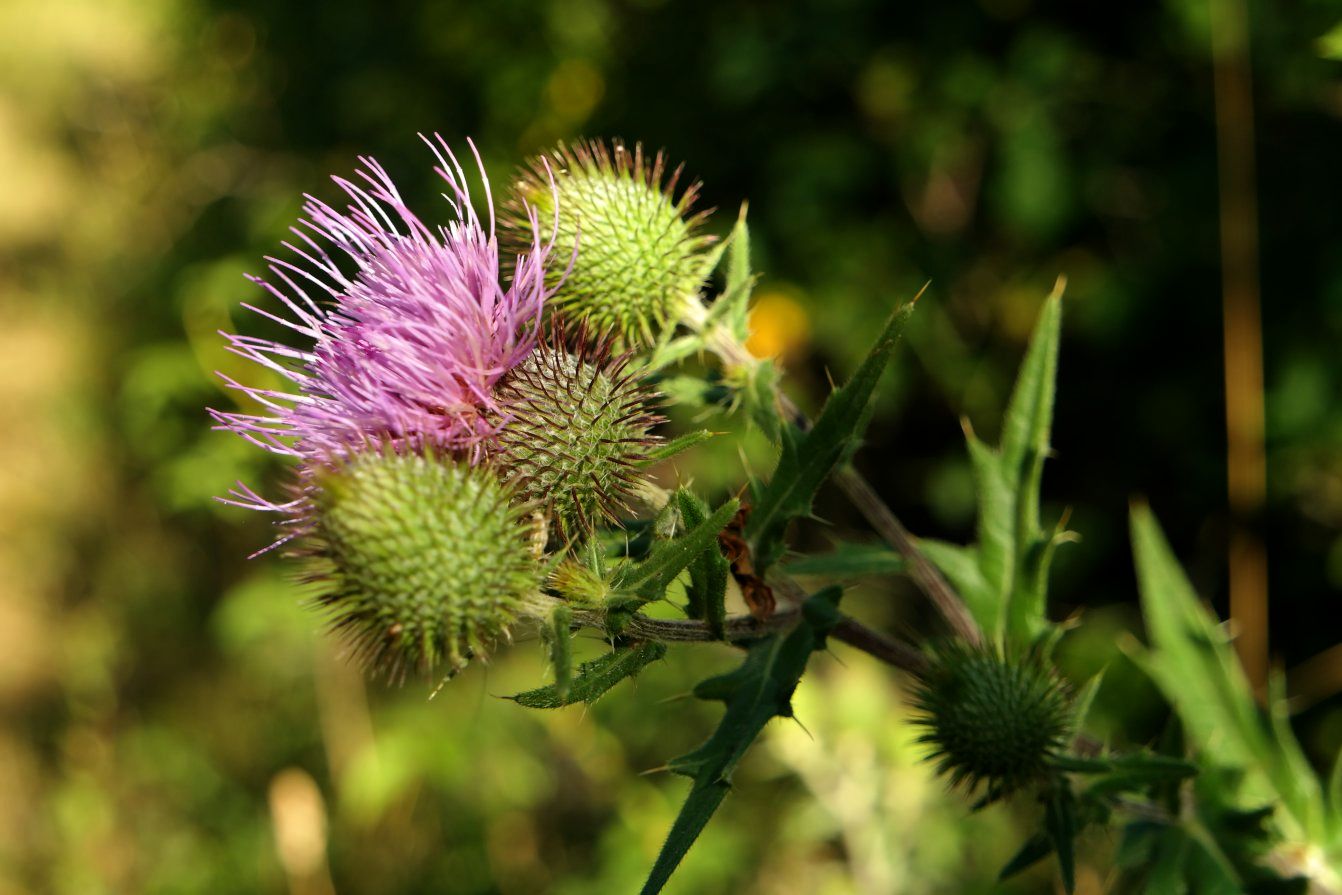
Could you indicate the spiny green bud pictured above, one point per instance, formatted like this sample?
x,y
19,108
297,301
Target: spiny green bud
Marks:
x,y
577,430
640,253
423,561
992,720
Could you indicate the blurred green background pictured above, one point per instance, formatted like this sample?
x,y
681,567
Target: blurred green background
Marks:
x,y
173,723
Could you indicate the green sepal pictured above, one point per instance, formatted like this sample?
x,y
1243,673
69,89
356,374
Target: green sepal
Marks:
x,y
594,678
675,446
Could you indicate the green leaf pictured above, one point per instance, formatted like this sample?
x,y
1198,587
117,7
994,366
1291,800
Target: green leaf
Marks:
x,y
1060,825
960,565
676,446
1025,444
996,549
849,560
709,572
594,678
1008,597
1035,849
755,389
807,459
1194,666
649,579
756,692
733,306
1085,698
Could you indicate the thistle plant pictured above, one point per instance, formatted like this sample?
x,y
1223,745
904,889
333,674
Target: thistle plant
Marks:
x,y
471,456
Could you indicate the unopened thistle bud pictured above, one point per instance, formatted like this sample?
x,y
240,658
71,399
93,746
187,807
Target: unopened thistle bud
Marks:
x,y
640,252
423,561
992,720
579,429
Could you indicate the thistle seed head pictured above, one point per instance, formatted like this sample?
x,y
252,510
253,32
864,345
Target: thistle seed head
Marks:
x,y
992,720
580,426
423,561
639,249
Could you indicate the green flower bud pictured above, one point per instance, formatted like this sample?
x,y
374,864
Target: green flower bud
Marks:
x,y
577,430
992,720
423,561
640,253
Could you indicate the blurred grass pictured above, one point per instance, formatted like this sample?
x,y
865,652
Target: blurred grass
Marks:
x,y
172,722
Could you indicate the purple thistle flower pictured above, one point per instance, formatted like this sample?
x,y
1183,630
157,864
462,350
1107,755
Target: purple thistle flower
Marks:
x,y
406,343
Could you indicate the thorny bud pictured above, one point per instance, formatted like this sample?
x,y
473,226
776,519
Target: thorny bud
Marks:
x,y
640,252
423,561
580,426
992,720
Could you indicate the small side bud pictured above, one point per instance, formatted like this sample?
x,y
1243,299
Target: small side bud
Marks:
x,y
640,251
422,561
991,720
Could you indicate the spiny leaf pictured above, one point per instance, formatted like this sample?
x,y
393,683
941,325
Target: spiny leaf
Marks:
x,y
807,459
707,591
1012,553
594,678
960,565
732,307
650,578
1061,827
996,533
1025,444
1195,667
1035,849
849,560
1085,698
759,690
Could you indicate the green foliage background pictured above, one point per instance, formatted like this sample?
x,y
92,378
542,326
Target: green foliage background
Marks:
x,y
171,721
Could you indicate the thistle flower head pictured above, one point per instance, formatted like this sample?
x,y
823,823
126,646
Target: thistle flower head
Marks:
x,y
404,328
992,720
421,560
579,426
639,249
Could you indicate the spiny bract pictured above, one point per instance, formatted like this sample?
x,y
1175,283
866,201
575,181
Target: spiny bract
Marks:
x,y
639,251
580,427
423,560
992,720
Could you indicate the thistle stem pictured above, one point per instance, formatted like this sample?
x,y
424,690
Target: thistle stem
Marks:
x,y
924,574
738,628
